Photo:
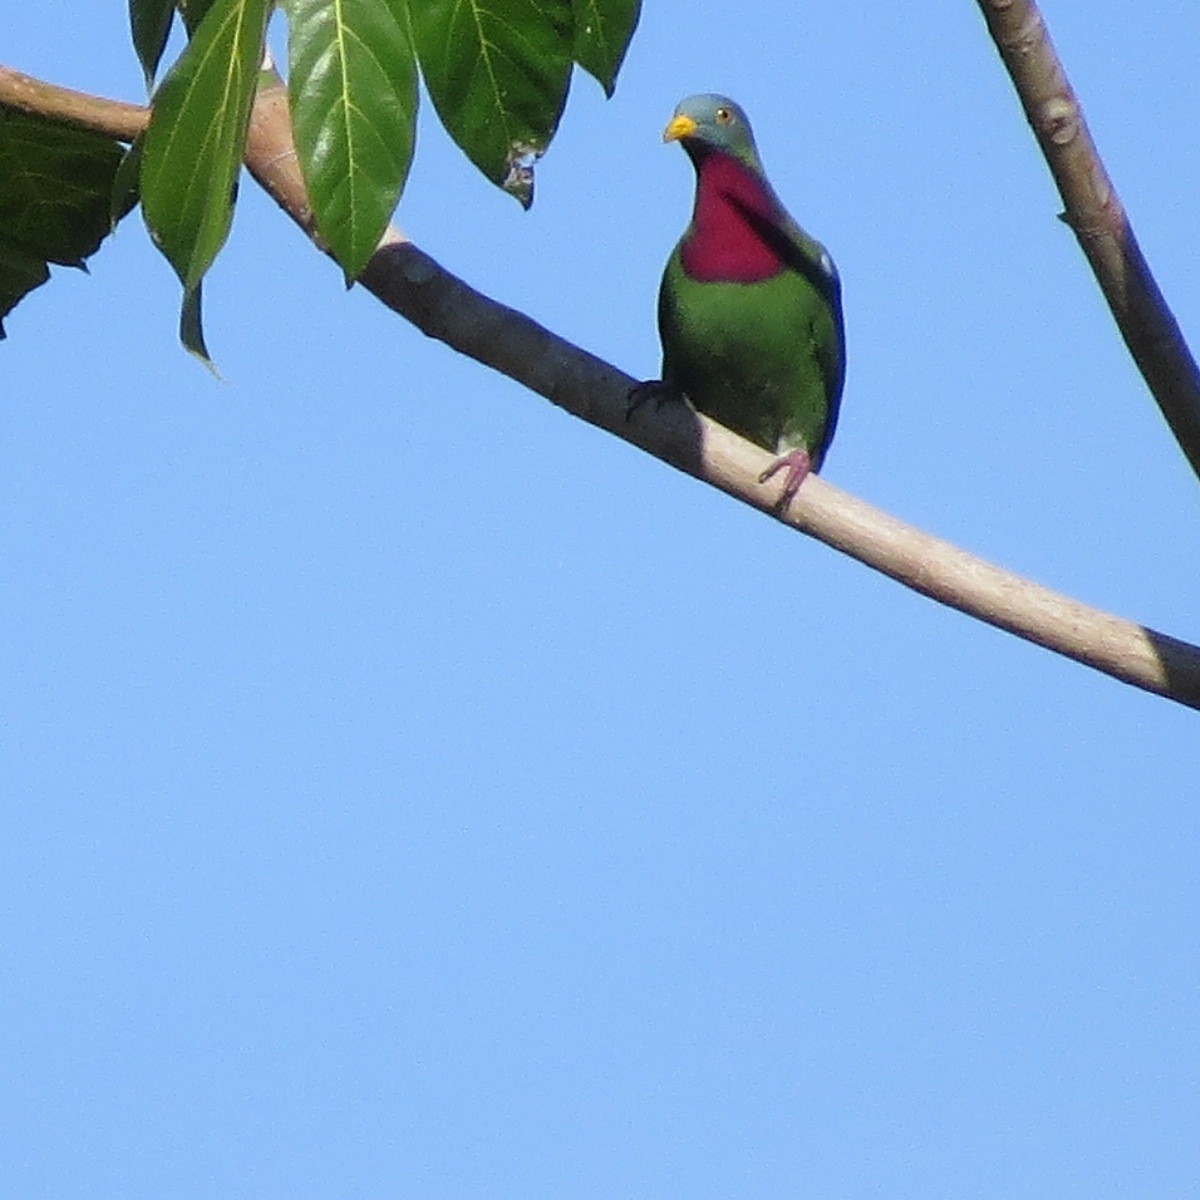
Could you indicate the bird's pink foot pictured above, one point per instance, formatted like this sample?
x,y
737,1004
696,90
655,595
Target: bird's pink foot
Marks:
x,y
651,389
798,464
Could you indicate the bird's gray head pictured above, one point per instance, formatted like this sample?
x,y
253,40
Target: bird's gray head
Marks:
x,y
712,122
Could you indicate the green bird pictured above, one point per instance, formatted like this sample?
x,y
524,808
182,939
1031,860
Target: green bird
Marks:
x,y
750,309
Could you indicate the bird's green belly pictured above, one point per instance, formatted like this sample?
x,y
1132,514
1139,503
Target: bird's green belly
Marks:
x,y
747,355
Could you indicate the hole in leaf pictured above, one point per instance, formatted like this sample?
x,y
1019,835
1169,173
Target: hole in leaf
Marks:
x,y
522,156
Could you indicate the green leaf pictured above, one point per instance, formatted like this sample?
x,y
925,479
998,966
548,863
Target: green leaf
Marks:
x,y
497,72
124,196
20,273
352,83
55,185
602,32
193,147
150,23
191,328
193,13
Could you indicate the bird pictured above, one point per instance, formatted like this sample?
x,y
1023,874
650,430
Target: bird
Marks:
x,y
750,308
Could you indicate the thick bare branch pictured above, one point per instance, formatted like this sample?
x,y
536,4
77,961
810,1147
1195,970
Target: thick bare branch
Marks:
x,y
412,284
1095,213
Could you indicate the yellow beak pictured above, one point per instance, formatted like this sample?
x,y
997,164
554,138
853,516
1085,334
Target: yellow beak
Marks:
x,y
680,127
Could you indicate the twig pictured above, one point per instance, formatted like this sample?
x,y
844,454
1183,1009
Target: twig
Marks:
x,y
1095,213
412,284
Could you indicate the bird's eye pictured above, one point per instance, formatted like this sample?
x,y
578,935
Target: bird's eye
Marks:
x,y
724,116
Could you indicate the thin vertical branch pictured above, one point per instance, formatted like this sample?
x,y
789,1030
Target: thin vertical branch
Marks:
x,y
1094,211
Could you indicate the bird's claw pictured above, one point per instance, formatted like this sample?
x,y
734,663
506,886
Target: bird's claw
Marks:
x,y
798,464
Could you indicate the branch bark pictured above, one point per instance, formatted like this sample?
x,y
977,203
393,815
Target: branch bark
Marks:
x,y
412,284
1095,213
79,110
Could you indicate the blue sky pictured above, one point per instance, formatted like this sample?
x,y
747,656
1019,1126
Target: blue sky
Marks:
x,y
413,792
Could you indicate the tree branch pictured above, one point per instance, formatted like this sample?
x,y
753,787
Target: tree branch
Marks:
x,y
1095,213
79,110
412,284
